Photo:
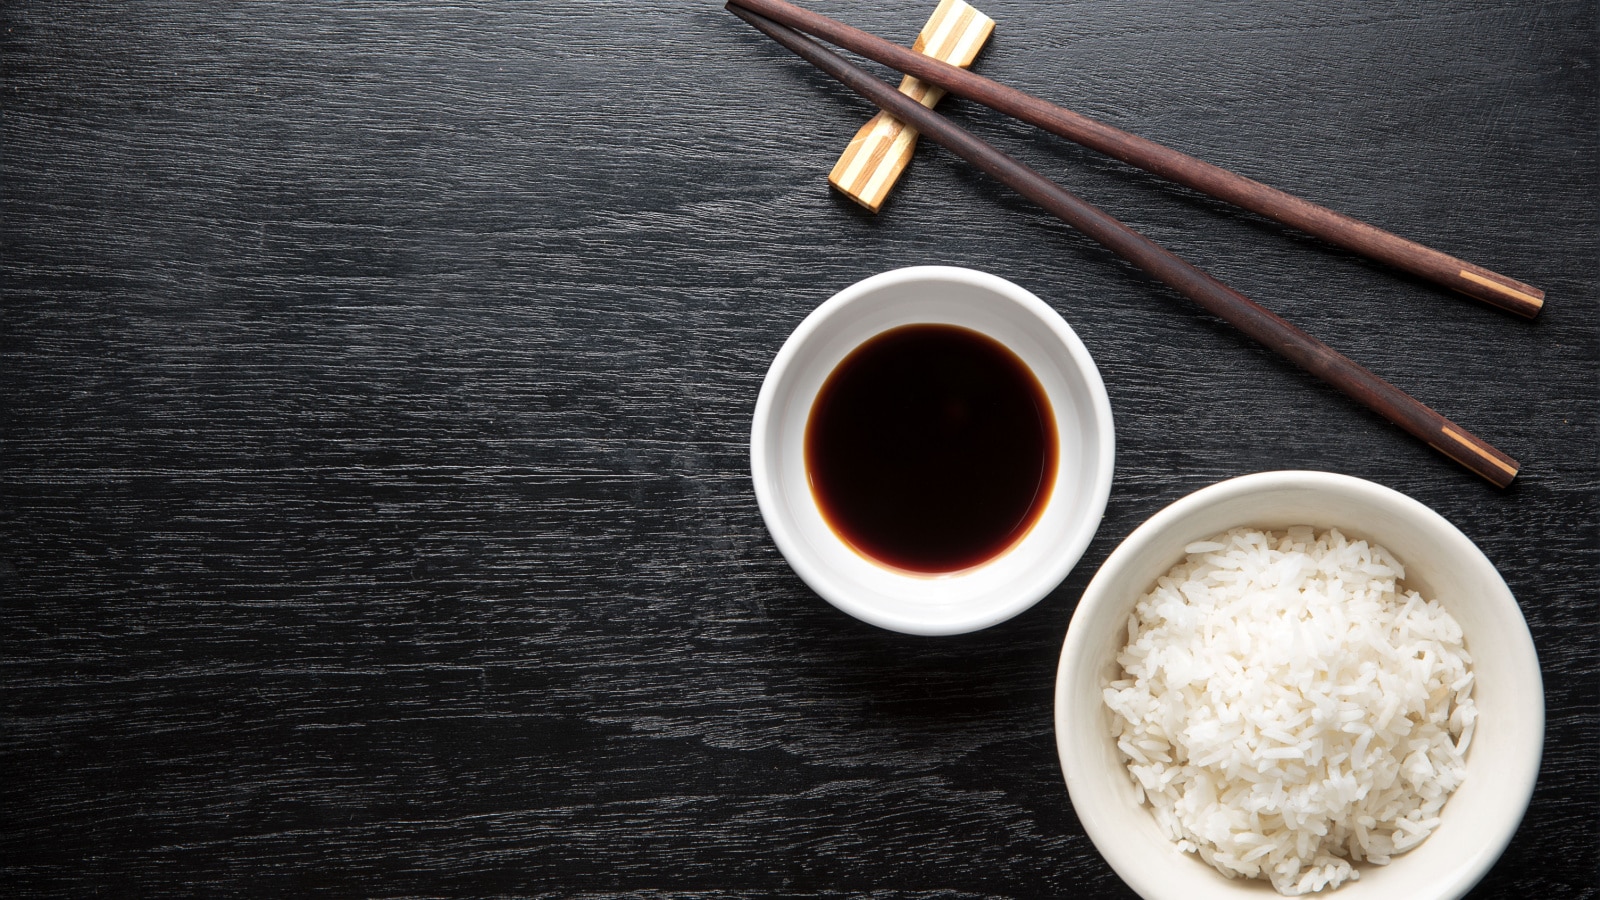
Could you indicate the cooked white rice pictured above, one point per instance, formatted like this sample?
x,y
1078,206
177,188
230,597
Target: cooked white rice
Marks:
x,y
1287,709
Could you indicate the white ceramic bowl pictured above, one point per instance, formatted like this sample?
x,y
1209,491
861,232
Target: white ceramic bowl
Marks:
x,y
971,598
1440,562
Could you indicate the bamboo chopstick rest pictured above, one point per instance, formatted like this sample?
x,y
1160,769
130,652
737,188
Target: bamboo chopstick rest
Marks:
x,y
881,149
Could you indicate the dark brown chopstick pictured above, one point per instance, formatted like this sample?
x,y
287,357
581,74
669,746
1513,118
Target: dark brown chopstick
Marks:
x,y
1212,295
1341,230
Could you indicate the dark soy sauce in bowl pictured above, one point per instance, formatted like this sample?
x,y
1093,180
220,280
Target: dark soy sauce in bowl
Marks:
x,y
931,448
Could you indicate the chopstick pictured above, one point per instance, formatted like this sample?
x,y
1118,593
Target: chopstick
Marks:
x,y
1351,234
1210,294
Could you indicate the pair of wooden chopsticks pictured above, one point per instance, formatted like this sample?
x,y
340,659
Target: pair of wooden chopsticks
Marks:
x,y
1351,234
1217,298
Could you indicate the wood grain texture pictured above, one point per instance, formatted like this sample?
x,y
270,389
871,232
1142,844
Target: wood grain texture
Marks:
x,y
375,385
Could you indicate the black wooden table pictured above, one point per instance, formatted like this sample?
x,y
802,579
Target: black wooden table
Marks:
x,y
375,386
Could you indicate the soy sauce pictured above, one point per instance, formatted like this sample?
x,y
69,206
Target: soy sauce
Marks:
x,y
931,448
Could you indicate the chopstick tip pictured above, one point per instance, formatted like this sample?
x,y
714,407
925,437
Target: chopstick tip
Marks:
x,y
1524,300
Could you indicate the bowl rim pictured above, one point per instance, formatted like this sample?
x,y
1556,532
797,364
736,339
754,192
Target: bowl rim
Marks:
x,y
1070,545
1517,780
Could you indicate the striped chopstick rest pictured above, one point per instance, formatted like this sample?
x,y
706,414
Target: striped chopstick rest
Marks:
x,y
881,149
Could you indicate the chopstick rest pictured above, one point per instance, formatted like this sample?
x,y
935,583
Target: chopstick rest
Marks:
x,y
880,151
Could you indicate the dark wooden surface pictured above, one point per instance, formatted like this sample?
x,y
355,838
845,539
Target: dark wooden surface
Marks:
x,y
375,383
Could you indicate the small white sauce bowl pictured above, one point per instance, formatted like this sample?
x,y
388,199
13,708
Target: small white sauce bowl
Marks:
x,y
999,588
1440,562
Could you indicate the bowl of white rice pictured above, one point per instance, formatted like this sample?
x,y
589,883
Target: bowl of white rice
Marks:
x,y
1299,684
